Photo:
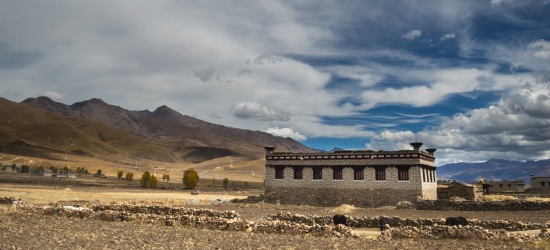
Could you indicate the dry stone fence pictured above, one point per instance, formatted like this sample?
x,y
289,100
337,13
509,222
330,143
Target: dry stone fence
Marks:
x,y
288,223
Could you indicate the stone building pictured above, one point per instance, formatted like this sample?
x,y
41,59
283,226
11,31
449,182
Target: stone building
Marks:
x,y
496,187
540,185
448,190
358,177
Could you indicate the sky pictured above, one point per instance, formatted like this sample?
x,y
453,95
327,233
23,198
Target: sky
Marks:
x,y
470,78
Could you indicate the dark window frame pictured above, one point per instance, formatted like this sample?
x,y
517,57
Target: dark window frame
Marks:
x,y
403,174
279,173
358,173
298,173
337,173
317,173
380,173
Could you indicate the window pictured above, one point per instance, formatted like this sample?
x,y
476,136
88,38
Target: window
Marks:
x,y
279,173
380,174
359,173
337,173
317,173
403,174
542,184
500,185
298,173
509,185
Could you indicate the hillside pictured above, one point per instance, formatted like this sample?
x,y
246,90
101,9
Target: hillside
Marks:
x,y
494,170
98,129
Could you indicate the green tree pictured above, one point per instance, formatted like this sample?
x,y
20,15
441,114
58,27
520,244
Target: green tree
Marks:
x,y
119,174
164,177
66,169
129,176
225,183
98,172
167,177
153,182
213,182
25,168
190,178
145,179
86,171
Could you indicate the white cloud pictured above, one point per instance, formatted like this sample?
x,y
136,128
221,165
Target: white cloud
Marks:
x,y
517,128
448,36
286,132
251,110
413,34
439,85
543,48
54,95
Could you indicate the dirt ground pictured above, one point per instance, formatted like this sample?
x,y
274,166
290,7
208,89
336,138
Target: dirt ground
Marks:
x,y
24,230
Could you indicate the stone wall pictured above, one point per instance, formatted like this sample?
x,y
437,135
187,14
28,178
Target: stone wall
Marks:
x,y
517,205
331,196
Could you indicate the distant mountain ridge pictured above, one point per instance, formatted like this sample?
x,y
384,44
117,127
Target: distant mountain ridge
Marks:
x,y
164,134
494,169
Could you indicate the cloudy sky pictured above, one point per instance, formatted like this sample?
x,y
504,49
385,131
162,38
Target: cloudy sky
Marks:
x,y
470,78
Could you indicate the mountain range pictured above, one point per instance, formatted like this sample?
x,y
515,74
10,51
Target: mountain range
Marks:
x,y
98,129
493,170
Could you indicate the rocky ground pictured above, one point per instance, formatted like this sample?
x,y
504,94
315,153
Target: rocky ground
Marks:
x,y
21,230
26,229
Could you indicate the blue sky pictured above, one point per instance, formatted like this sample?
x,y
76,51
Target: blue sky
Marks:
x,y
470,78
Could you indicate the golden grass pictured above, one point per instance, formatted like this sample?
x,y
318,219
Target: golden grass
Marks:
x,y
344,209
38,194
499,198
537,199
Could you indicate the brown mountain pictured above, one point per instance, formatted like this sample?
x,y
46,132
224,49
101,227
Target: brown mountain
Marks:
x,y
162,135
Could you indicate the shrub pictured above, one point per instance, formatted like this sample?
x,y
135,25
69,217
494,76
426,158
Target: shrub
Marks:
x,y
25,168
145,179
153,182
190,178
225,183
129,176
119,174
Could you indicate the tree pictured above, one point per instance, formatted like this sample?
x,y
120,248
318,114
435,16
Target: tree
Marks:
x,y
153,182
86,171
119,174
145,179
190,178
129,176
164,177
167,177
213,183
225,183
25,168
98,172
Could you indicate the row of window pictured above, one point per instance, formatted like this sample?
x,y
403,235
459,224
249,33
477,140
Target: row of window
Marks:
x,y
358,173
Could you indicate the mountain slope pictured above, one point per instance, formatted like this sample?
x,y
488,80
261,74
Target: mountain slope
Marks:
x,y
187,138
27,130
